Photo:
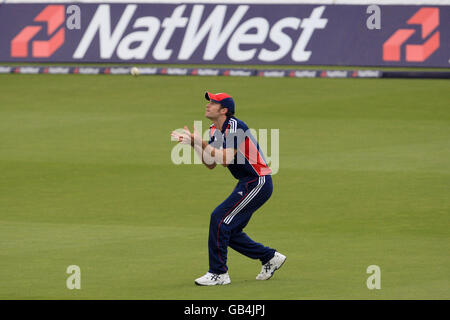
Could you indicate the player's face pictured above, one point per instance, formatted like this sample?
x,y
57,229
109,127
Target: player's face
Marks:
x,y
213,110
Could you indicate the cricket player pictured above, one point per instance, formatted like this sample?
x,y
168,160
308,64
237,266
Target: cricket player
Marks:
x,y
232,145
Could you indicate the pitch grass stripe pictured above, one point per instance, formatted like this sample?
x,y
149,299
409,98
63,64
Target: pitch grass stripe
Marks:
x,y
249,198
246,201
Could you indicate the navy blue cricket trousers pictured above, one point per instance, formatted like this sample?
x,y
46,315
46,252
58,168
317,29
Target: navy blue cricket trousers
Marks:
x,y
229,219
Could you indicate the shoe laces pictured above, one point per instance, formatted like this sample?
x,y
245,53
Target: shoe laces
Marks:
x,y
267,267
214,277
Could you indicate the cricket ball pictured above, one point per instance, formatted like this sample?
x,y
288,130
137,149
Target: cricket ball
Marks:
x,y
134,71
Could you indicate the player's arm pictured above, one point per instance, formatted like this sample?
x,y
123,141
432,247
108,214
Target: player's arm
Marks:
x,y
221,156
210,156
208,161
196,142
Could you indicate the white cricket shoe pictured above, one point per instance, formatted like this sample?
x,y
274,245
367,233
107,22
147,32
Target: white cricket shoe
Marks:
x,y
270,267
212,279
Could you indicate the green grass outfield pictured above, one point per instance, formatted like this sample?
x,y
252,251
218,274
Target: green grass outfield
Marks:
x,y
87,180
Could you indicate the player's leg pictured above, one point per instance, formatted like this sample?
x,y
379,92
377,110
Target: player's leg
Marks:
x,y
271,260
243,244
219,232
219,235
239,240
217,247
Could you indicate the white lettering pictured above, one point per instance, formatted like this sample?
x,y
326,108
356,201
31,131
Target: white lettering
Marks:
x,y
88,70
208,72
241,36
58,70
101,22
305,74
374,281
119,70
374,21
275,74
29,69
169,24
308,25
337,74
144,37
177,71
240,73
219,29
368,73
148,70
74,280
213,25
5,69
283,41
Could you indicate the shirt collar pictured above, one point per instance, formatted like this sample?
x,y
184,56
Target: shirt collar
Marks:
x,y
225,124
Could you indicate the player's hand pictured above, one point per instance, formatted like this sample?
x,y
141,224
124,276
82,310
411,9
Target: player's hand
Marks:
x,y
182,138
187,137
196,136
